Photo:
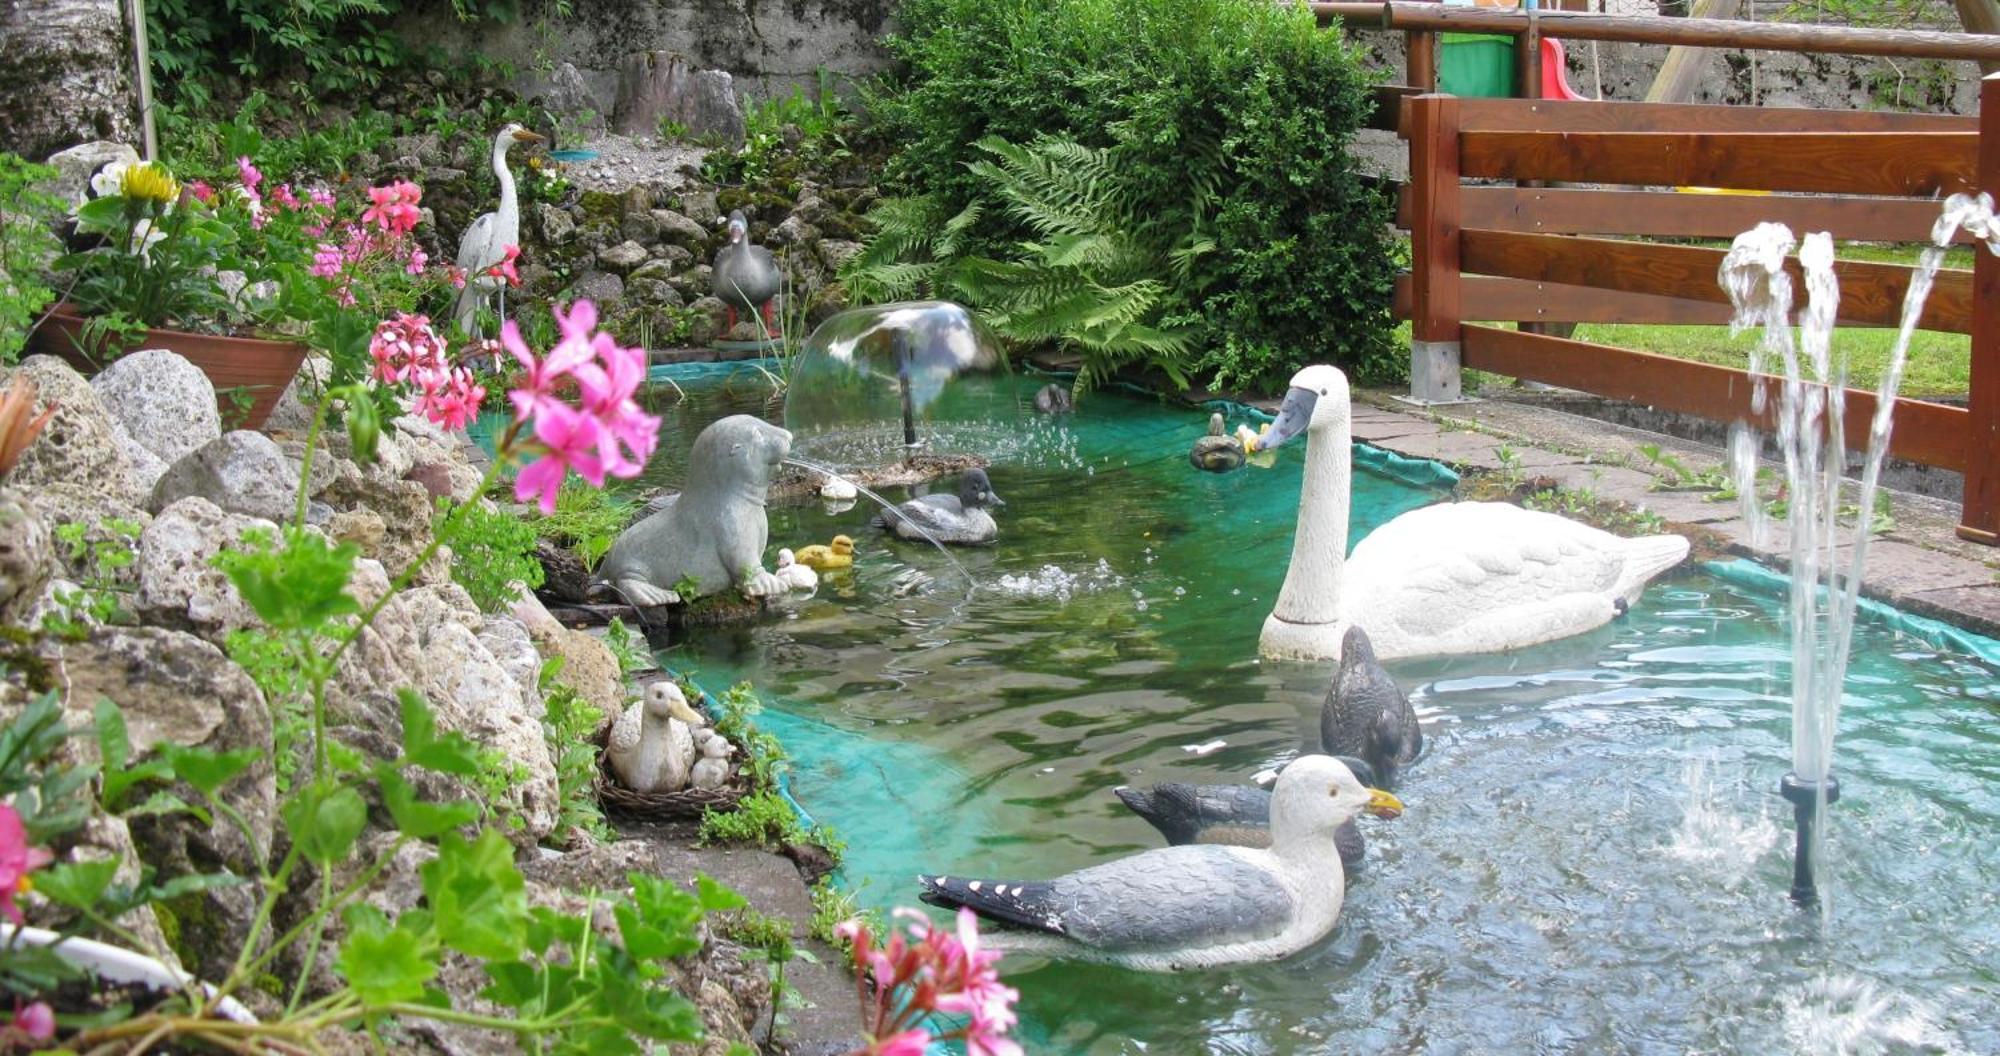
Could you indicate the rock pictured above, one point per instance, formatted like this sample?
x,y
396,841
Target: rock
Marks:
x,y
569,99
652,270
681,229
362,527
426,147
598,286
700,206
653,291
621,258
75,167
179,586
174,688
835,252
242,472
563,576
709,313
404,506
146,468
589,667
105,839
165,403
473,694
660,84
641,228
794,231
79,446
507,639
556,226
746,330
636,201
27,557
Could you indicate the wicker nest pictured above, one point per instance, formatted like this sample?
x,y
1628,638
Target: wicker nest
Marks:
x,y
688,804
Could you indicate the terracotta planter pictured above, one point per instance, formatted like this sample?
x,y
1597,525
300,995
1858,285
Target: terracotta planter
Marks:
x,y
263,368
116,964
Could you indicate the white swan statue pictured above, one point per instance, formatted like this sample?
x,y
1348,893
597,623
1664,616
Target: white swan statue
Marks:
x,y
1458,577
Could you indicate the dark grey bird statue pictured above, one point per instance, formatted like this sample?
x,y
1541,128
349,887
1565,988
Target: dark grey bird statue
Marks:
x,y
959,519
746,276
1366,713
1053,399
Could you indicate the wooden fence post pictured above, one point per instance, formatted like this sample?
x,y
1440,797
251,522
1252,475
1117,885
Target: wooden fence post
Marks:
x,y
1979,519
1434,226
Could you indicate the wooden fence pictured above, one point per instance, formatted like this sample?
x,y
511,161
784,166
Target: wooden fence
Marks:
x,y
1530,254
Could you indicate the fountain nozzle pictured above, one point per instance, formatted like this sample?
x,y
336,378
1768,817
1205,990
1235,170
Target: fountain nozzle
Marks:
x,y
1805,797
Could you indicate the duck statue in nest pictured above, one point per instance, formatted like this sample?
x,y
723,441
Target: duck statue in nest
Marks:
x,y
711,771
1217,452
651,748
746,276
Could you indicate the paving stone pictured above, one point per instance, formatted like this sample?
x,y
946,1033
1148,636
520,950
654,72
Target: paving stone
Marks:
x,y
1376,431
1976,609
1901,568
1689,507
1606,482
1447,447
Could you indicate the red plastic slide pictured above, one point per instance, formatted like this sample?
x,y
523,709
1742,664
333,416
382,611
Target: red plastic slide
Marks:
x,y
1555,74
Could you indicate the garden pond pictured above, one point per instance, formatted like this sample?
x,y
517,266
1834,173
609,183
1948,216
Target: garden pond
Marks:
x,y
1594,856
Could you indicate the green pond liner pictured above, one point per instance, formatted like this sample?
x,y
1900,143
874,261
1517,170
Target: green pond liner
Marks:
x,y
703,371
1936,633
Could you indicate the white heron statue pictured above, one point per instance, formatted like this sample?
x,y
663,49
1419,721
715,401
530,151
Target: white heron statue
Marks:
x,y
486,240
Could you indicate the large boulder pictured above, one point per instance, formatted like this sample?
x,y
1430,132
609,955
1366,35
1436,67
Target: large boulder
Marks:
x,y
66,74
653,85
405,507
179,585
79,446
473,694
242,472
165,403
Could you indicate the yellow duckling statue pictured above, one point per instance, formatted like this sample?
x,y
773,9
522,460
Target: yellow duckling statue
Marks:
x,y
827,558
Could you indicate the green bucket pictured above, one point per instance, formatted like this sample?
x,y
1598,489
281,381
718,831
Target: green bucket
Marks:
x,y
1476,64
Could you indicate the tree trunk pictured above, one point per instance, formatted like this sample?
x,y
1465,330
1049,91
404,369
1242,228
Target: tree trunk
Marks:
x,y
66,75
1980,16
1681,73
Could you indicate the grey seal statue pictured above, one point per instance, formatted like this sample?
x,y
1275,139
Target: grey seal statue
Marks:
x,y
959,519
714,530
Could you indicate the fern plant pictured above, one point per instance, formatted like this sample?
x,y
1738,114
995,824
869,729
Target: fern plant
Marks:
x,y
1097,278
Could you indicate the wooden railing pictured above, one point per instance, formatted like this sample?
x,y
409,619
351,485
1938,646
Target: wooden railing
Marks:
x,y
1532,254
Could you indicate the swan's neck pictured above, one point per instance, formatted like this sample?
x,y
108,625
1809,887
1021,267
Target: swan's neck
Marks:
x,y
1311,593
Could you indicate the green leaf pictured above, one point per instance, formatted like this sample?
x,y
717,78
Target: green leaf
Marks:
x,y
416,818
384,964
114,745
660,921
301,586
79,885
478,896
207,770
447,753
715,897
193,884
107,212
324,820
165,804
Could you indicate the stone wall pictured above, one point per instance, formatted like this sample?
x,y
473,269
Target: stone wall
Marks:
x,y
768,47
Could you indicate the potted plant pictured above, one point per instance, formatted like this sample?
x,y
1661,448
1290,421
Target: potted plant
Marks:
x,y
240,280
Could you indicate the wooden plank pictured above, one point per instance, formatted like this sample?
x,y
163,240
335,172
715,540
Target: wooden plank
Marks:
x,y
1909,164
1389,105
1930,433
1552,115
1671,214
1979,518
1870,294
1434,237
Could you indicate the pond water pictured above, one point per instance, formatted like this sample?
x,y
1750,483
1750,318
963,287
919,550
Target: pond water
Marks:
x,y
1594,857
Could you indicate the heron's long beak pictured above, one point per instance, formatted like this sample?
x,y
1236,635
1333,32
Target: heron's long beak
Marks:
x,y
1382,804
1293,416
525,136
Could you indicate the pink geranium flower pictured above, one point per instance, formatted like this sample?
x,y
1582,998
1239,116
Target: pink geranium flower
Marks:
x,y
201,191
569,438
37,1021
406,348
248,173
17,860
283,196
395,207
504,271
450,399
931,971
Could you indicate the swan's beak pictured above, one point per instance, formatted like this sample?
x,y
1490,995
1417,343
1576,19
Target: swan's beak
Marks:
x,y
525,136
1293,416
1382,804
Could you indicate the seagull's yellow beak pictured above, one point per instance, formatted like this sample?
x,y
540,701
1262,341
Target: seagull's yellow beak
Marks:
x,y
525,136
1382,804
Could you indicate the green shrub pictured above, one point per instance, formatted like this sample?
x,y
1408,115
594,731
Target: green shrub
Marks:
x,y
1219,122
491,551
28,245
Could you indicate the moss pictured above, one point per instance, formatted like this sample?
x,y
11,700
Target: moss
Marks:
x,y
753,202
602,207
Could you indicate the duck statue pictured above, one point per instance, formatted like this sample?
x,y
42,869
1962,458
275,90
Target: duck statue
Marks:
x,y
1218,452
1054,399
793,575
746,276
1442,580
652,745
959,519
711,771
1231,815
827,558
